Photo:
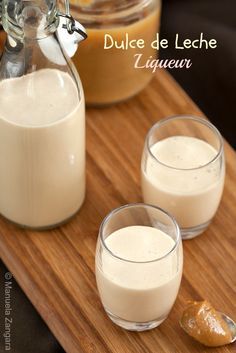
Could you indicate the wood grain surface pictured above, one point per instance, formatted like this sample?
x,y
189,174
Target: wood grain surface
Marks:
x,y
2,40
56,268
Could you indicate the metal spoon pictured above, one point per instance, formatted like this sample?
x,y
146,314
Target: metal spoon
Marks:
x,y
231,325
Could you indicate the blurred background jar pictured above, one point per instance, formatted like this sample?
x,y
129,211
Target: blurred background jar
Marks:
x,y
109,76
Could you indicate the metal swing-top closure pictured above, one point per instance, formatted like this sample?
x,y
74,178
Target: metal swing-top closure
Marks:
x,y
75,33
71,24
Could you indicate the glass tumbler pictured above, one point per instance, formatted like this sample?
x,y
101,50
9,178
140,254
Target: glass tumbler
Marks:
x,y
139,263
183,171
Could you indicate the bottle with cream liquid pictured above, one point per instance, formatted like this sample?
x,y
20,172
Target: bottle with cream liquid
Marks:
x,y
42,120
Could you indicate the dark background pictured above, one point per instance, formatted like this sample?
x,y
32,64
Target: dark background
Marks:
x,y
211,82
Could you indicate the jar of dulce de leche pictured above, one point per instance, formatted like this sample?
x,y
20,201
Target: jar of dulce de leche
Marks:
x,y
110,75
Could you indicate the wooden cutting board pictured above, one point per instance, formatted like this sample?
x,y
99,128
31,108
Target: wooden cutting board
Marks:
x,y
56,268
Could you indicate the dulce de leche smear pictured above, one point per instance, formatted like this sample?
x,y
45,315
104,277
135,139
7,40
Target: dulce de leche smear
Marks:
x,y
109,75
202,322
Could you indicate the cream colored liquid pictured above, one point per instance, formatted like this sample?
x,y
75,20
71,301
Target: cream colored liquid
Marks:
x,y
139,292
42,148
191,196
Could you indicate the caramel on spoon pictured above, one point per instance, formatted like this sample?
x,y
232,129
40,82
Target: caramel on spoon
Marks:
x,y
208,326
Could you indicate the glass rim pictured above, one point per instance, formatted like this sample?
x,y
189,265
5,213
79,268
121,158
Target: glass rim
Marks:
x,y
185,117
118,12
145,205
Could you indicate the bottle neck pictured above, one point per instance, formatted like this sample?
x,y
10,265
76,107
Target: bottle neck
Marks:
x,y
26,19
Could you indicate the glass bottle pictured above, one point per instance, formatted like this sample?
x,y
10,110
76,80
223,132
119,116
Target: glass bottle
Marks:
x,y
42,119
109,75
